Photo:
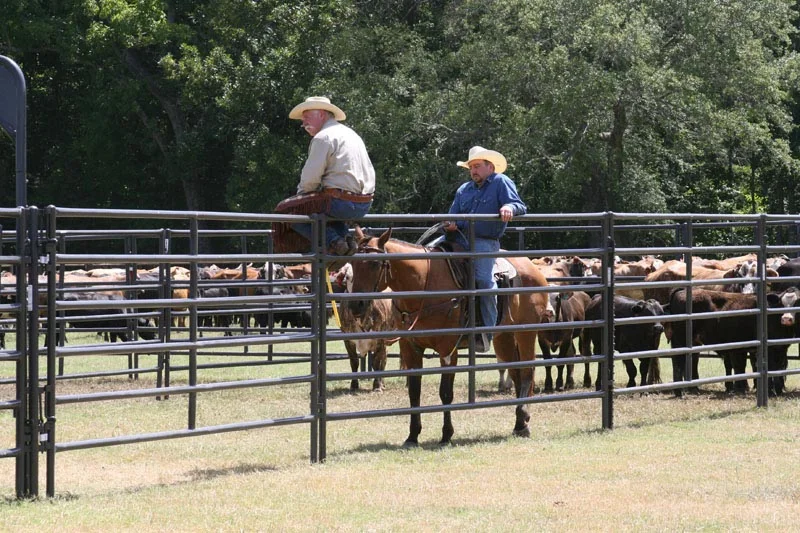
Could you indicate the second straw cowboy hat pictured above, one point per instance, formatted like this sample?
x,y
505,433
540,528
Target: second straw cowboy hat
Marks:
x,y
479,152
316,102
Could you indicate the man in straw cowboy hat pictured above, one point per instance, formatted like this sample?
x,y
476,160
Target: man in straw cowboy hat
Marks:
x,y
338,166
488,192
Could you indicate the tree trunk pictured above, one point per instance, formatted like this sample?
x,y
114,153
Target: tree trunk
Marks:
x,y
616,153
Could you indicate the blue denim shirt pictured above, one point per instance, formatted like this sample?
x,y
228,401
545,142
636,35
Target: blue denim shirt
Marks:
x,y
495,192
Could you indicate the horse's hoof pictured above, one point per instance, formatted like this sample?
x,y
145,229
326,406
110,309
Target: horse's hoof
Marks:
x,y
524,433
410,444
445,443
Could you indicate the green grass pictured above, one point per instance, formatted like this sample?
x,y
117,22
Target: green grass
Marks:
x,y
708,461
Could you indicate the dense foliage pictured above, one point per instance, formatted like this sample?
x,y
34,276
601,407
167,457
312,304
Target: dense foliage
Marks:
x,y
634,105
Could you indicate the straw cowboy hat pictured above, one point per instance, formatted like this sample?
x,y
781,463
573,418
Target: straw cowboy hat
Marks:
x,y
479,152
316,102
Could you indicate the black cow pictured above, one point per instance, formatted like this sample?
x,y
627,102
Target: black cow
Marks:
x,y
732,329
119,325
627,337
787,269
299,318
569,307
221,320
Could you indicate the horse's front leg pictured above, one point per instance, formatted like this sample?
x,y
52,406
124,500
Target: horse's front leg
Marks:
x,y
415,423
411,357
446,395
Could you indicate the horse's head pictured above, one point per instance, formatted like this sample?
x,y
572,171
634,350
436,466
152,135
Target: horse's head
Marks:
x,y
369,275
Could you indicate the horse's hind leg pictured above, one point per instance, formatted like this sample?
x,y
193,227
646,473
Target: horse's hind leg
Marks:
x,y
523,383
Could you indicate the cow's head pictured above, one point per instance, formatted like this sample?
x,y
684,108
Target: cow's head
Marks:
x,y
651,330
788,298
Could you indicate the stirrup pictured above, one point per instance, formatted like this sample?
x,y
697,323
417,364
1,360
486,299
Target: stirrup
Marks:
x,y
482,343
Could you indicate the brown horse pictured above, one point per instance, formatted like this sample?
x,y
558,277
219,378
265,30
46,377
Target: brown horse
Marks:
x,y
403,275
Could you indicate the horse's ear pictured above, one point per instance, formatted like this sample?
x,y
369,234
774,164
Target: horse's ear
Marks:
x,y
384,238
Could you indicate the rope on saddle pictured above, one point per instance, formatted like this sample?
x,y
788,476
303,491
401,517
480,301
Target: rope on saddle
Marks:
x,y
430,231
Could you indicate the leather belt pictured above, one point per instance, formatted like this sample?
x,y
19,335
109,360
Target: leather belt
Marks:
x,y
341,194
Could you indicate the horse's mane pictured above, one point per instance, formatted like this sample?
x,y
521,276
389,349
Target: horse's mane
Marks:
x,y
369,237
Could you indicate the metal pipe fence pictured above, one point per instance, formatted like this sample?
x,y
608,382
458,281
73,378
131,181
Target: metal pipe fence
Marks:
x,y
37,298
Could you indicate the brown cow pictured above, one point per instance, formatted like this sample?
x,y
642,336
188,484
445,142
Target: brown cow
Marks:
x,y
676,271
568,307
574,267
378,316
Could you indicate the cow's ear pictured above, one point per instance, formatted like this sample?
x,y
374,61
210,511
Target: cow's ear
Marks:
x,y
358,232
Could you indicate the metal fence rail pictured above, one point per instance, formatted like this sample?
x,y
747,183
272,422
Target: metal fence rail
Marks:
x,y
39,253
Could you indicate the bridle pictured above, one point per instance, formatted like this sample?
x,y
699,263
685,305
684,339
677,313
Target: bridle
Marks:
x,y
385,275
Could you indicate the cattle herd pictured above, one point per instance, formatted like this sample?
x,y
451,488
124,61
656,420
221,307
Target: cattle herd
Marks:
x,y
726,285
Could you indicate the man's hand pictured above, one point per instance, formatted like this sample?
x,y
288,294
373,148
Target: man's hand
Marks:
x,y
449,226
506,213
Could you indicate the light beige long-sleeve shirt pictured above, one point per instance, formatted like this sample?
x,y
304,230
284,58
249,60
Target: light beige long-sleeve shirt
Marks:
x,y
337,159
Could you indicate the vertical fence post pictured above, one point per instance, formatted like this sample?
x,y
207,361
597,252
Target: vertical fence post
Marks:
x,y
607,377
245,315
688,240
474,306
762,392
62,327
165,291
50,388
32,421
23,488
319,319
193,248
131,326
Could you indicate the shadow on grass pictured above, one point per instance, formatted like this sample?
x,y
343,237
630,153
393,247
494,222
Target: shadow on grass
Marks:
x,y
345,391
194,476
206,474
431,445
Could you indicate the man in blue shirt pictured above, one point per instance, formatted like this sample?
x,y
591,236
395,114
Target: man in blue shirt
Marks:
x,y
489,192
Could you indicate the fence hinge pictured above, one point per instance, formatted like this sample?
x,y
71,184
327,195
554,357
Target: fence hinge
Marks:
x,y
45,430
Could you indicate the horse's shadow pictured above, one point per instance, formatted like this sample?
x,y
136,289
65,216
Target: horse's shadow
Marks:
x,y
432,445
340,392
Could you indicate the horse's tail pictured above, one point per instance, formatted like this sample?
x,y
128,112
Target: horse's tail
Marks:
x,y
654,372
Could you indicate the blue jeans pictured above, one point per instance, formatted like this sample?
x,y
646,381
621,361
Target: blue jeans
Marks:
x,y
343,210
485,280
